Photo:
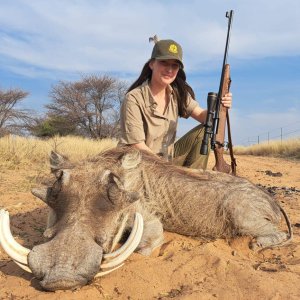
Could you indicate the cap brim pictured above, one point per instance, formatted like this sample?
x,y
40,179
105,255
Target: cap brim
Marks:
x,y
169,57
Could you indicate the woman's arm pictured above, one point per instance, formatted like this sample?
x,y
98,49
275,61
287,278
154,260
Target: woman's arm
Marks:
x,y
131,122
141,146
199,114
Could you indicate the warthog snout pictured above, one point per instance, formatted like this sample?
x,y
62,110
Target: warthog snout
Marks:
x,y
59,265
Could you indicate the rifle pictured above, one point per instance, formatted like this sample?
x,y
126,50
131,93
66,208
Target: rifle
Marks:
x,y
217,115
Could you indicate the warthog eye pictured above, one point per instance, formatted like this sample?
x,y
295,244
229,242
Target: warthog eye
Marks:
x,y
53,192
117,193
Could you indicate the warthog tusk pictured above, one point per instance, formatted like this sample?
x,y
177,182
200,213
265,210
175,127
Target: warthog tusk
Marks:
x,y
24,267
102,273
114,259
138,225
17,252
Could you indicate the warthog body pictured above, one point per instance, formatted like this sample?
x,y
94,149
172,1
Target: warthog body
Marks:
x,y
94,203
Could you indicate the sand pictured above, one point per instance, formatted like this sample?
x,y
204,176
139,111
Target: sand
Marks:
x,y
182,268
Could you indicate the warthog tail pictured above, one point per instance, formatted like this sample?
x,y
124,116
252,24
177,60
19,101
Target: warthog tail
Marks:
x,y
289,226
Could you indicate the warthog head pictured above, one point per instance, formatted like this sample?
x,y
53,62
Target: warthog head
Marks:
x,y
90,209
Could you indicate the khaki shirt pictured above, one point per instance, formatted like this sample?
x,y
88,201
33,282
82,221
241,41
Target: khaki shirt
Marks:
x,y
141,122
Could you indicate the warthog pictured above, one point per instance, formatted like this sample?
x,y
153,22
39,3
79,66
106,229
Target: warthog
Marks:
x,y
95,202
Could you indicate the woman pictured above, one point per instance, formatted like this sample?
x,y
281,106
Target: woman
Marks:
x,y
153,103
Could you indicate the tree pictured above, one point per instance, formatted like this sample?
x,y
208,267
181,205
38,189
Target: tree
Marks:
x,y
50,126
92,104
11,117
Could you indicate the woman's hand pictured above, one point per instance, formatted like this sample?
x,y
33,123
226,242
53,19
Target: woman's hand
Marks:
x,y
227,100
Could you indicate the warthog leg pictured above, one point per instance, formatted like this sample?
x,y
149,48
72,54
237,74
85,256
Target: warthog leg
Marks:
x,y
153,236
271,240
277,238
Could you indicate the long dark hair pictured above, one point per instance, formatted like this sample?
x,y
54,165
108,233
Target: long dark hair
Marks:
x,y
179,85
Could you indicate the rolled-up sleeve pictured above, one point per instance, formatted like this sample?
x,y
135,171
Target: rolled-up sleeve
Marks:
x,y
191,104
131,121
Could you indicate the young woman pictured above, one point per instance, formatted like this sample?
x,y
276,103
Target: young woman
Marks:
x,y
153,103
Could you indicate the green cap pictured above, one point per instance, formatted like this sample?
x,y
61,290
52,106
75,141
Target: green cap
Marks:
x,y
167,49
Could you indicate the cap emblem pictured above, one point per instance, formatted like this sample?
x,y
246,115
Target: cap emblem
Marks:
x,y
173,48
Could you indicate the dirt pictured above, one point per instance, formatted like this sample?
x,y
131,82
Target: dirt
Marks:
x,y
182,268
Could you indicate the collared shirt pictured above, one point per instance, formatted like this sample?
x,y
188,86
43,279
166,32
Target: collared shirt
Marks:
x,y
141,122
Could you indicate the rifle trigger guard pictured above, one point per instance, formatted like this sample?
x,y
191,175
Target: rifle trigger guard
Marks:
x,y
225,145
220,144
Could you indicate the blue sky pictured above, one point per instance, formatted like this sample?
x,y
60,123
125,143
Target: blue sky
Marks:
x,y
42,42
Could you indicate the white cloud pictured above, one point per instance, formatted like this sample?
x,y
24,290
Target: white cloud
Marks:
x,y
89,36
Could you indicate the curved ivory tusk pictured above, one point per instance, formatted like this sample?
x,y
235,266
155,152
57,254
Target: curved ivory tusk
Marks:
x,y
115,258
24,267
102,273
17,252
138,218
119,233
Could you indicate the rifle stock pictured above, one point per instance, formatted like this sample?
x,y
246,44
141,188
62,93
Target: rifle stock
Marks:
x,y
220,163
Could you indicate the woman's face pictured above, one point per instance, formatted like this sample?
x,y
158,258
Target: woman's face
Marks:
x,y
164,72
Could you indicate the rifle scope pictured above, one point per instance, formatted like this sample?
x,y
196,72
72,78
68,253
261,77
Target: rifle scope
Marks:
x,y
211,105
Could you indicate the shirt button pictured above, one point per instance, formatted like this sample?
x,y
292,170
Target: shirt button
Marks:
x,y
154,105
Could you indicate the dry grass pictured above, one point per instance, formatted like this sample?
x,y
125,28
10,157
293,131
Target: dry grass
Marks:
x,y
287,149
19,151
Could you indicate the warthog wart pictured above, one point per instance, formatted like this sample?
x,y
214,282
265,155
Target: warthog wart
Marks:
x,y
94,202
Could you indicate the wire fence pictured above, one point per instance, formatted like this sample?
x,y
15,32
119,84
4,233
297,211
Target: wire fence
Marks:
x,y
279,133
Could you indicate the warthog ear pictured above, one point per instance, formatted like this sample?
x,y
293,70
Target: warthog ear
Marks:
x,y
49,194
58,162
131,159
41,193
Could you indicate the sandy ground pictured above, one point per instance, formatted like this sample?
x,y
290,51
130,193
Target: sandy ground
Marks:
x,y
183,268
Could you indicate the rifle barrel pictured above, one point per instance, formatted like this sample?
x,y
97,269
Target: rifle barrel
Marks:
x,y
229,15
